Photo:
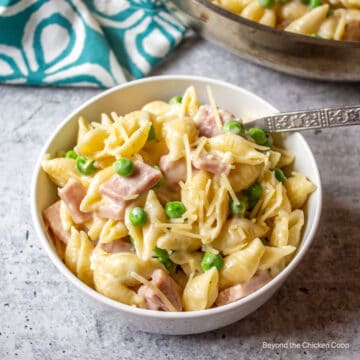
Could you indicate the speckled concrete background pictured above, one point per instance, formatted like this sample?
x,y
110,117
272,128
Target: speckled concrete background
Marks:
x,y
43,317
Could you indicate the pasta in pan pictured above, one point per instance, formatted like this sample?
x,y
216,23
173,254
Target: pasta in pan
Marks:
x,y
327,19
176,207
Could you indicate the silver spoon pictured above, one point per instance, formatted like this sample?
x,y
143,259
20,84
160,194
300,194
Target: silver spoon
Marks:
x,y
308,119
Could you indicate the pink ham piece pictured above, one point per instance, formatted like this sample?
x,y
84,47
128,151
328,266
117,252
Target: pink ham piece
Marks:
x,y
167,286
143,179
52,220
109,209
173,170
206,123
212,163
117,246
72,194
239,291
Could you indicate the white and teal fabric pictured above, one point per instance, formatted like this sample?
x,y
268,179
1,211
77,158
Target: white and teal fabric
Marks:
x,y
83,42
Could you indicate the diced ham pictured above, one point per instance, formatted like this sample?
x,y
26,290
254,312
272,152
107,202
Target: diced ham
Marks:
x,y
239,291
352,31
206,122
72,194
152,301
52,220
109,209
143,179
117,246
174,171
167,286
211,162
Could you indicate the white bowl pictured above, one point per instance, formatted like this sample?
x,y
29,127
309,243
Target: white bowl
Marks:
x,y
132,96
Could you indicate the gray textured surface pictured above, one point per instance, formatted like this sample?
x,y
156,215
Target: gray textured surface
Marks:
x,y
43,317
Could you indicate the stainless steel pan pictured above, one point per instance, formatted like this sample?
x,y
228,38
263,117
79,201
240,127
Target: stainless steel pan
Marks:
x,y
280,50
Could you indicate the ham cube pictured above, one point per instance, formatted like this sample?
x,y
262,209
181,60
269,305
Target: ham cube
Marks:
x,y
173,170
239,291
212,163
206,122
109,209
167,286
52,220
143,179
72,194
117,246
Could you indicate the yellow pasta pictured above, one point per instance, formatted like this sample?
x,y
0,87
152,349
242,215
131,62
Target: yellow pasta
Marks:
x,y
241,265
60,170
77,256
298,189
145,238
201,291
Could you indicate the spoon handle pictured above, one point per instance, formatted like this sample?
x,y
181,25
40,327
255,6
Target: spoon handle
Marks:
x,y
309,119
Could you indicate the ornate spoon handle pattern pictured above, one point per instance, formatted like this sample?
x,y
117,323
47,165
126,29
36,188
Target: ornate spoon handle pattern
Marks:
x,y
309,119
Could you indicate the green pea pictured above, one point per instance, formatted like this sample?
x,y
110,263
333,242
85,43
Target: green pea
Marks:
x,y
266,3
124,167
174,209
269,141
175,100
233,127
237,209
137,216
84,165
71,154
163,257
254,191
316,35
315,3
152,134
210,260
279,174
259,135
253,194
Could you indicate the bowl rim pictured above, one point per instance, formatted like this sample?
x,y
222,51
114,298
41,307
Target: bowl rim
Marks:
x,y
273,283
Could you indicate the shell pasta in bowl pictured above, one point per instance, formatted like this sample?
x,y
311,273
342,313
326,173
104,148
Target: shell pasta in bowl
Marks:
x,y
155,199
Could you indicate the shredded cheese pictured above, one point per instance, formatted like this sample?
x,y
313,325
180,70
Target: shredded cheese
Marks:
x,y
207,189
130,197
212,207
180,220
199,148
187,233
188,158
105,119
201,208
209,248
229,188
214,107
155,289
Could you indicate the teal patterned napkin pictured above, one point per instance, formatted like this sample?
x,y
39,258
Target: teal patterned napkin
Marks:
x,y
83,42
